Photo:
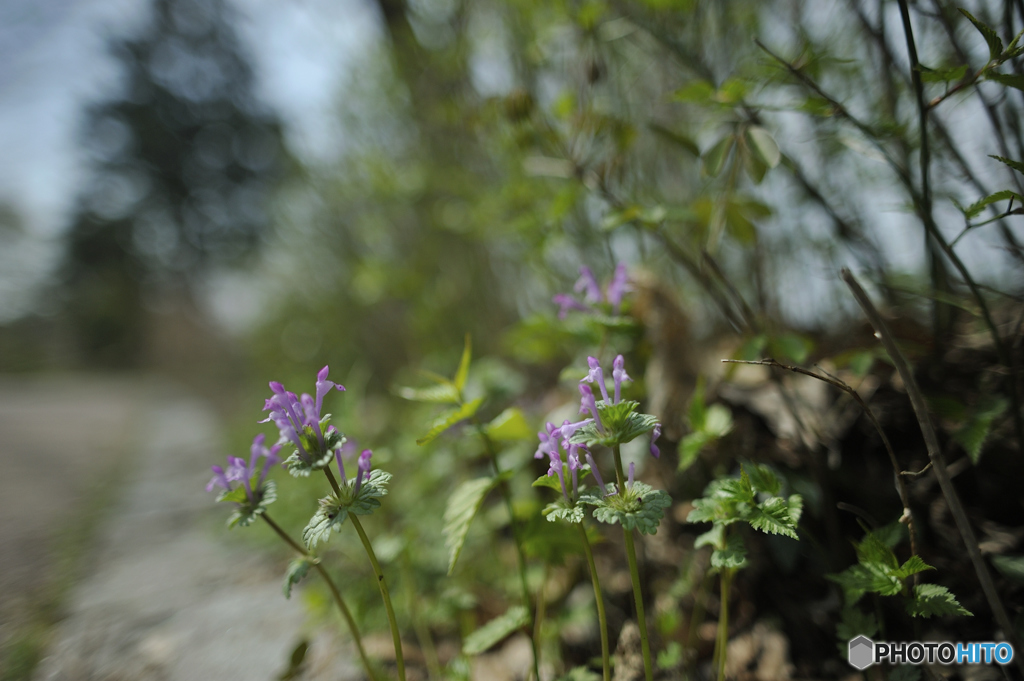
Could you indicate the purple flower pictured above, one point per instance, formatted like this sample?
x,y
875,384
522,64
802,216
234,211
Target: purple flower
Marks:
x,y
548,441
632,469
592,295
655,452
555,468
617,287
241,470
587,284
596,375
619,375
597,474
296,416
363,467
589,404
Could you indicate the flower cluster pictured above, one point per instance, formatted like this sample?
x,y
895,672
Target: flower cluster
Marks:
x,y
615,420
256,492
300,423
592,294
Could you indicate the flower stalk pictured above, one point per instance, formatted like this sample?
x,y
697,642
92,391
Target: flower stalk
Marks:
x,y
634,575
606,664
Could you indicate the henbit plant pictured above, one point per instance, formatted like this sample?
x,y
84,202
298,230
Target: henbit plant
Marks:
x,y
316,444
753,498
634,505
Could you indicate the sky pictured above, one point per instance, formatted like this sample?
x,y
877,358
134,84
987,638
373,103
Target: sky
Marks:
x,y
56,62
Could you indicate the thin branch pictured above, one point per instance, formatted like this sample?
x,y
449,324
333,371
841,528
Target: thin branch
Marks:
x,y
938,463
901,485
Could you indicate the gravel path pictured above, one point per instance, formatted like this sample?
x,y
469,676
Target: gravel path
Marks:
x,y
162,597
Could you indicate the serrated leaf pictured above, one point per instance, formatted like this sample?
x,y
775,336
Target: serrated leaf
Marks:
x,y
914,565
449,419
762,478
444,393
892,534
618,430
494,631
773,517
715,157
859,579
733,556
932,600
1016,165
462,373
873,550
330,516
297,569
509,425
973,434
462,505
975,209
765,145
995,45
1011,567
1014,80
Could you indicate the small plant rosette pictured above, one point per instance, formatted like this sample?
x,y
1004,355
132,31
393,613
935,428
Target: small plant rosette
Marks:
x,y
640,507
249,509
621,422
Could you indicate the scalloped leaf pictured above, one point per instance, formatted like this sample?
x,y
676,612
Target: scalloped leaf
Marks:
x,y
297,569
462,506
558,510
732,557
932,600
762,478
487,636
301,469
631,426
449,419
246,513
640,508
859,579
330,516
873,550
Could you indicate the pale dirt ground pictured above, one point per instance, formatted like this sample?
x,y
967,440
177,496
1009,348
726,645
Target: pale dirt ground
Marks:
x,y
158,595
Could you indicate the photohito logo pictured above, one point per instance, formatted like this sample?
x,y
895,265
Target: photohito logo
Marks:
x,y
864,652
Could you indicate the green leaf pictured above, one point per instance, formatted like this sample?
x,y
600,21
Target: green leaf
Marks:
x,y
449,419
621,425
995,45
791,346
676,138
671,657
463,504
1016,165
774,517
445,393
247,512
765,146
715,157
914,565
854,623
873,550
330,516
297,569
558,510
713,537
463,371
690,447
859,579
949,75
334,511
509,425
762,478
1014,80
972,436
975,209
494,631
734,556
932,600
640,508
697,411
718,423
698,91
1011,567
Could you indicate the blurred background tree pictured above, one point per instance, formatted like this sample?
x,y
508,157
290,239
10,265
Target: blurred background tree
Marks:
x,y
185,163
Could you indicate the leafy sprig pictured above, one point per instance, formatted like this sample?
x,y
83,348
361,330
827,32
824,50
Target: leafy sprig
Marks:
x,y
334,511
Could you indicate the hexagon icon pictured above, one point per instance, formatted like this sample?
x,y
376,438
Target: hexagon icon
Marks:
x,y
862,652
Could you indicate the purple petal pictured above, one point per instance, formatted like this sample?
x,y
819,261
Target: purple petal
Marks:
x,y
617,287
655,452
596,375
619,375
566,302
588,283
588,404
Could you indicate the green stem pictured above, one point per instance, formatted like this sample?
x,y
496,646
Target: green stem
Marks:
x,y
722,644
392,622
634,574
345,612
506,495
602,619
